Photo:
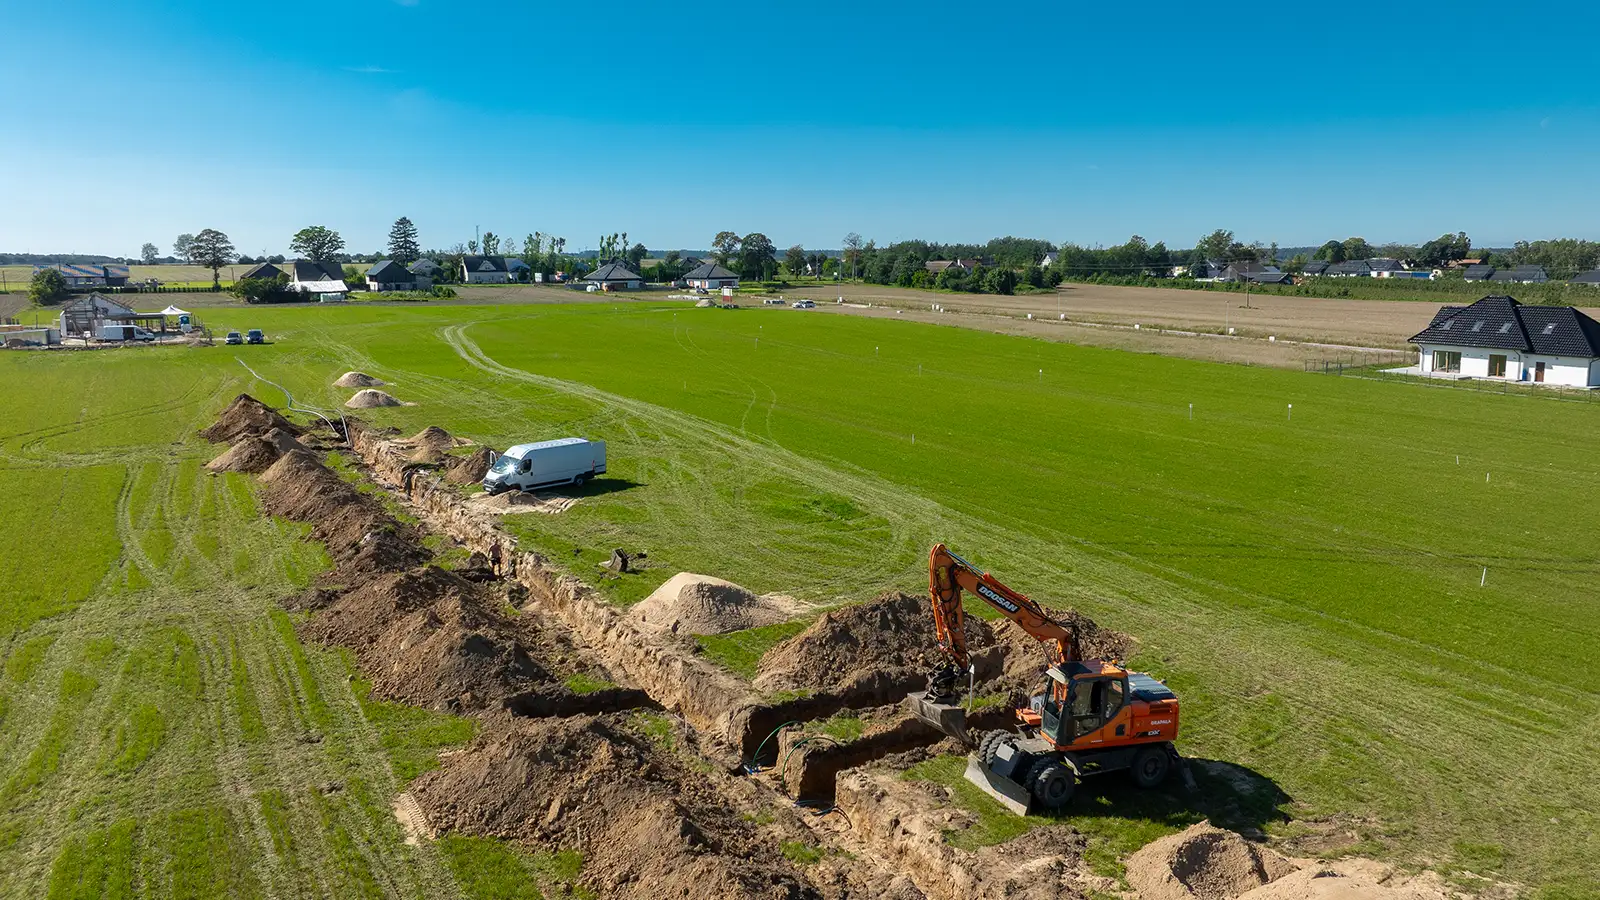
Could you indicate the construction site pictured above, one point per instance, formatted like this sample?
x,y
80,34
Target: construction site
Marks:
x,y
604,730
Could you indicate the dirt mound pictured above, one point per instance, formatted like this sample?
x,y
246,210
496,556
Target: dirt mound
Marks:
x,y
370,398
358,380
1203,863
647,827
699,604
361,537
430,638
252,453
433,445
246,415
470,469
891,637
1023,662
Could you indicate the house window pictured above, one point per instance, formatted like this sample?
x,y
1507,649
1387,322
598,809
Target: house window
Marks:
x,y
1497,365
1446,360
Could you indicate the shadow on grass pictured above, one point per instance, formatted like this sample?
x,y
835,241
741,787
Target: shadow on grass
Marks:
x,y
597,488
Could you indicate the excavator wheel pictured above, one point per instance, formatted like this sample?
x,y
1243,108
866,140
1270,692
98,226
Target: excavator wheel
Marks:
x,y
1151,766
990,745
1051,783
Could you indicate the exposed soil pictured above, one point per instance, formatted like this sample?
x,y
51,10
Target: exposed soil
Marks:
x,y
370,398
247,415
433,445
700,604
470,469
518,502
358,380
431,638
846,649
648,827
1203,863
254,453
1023,656
360,535
1351,879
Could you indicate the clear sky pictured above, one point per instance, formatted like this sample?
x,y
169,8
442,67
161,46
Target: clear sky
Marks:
x,y
131,121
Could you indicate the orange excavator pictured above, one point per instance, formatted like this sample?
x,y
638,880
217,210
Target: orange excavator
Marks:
x,y
1087,717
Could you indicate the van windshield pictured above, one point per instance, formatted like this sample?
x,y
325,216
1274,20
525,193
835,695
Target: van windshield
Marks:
x,y
503,465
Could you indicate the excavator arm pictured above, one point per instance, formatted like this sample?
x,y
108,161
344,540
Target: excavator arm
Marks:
x,y
948,577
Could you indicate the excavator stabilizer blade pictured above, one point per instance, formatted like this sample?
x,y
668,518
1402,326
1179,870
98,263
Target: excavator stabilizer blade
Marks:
x,y
944,717
1011,795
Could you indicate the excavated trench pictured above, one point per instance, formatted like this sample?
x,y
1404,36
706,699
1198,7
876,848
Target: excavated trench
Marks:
x,y
501,638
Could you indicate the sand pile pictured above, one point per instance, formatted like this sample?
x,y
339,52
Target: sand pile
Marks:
x,y
252,453
647,827
430,638
889,640
370,398
470,469
699,604
1351,879
358,380
246,415
1203,863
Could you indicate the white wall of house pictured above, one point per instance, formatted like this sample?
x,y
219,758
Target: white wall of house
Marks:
x,y
488,278
621,285
1559,370
713,284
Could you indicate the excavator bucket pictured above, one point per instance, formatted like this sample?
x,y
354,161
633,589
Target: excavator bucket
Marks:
x,y
951,719
1011,795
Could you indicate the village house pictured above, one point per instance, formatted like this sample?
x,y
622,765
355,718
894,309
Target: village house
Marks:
x,y
614,277
1521,275
426,267
1499,338
710,277
484,270
89,275
322,280
262,270
388,275
84,316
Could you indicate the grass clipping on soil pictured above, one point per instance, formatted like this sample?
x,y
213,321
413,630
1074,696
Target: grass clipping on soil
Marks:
x,y
700,604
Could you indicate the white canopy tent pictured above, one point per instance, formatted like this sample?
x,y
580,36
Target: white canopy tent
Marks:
x,y
174,311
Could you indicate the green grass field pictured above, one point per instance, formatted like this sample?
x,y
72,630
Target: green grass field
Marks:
x,y
1311,587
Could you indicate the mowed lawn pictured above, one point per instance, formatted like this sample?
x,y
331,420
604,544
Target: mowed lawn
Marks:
x,y
1313,584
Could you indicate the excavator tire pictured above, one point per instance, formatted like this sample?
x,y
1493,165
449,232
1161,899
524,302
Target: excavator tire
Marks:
x,y
1051,783
990,745
1151,766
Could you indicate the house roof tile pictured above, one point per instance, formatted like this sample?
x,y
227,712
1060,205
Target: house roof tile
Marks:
x,y
1501,323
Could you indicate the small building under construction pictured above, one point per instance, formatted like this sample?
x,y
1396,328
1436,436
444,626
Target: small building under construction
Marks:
x,y
83,317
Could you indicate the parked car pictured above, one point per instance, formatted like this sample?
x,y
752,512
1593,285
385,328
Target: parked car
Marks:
x,y
234,337
772,301
254,336
804,304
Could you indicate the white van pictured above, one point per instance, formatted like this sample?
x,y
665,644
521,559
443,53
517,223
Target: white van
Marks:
x,y
528,467
123,333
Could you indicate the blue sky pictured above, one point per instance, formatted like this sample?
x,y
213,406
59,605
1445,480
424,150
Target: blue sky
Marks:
x,y
935,120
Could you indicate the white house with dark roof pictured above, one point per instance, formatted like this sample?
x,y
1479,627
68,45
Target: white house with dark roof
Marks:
x,y
426,267
710,277
1499,338
614,277
324,280
484,270
388,275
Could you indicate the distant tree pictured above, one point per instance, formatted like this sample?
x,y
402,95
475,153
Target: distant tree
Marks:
x,y
723,246
249,260
212,249
149,253
1332,252
180,247
317,243
48,287
795,260
1296,264
491,244
1357,248
275,259
509,247
472,246
758,258
1216,245
265,290
852,253
636,255
403,246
